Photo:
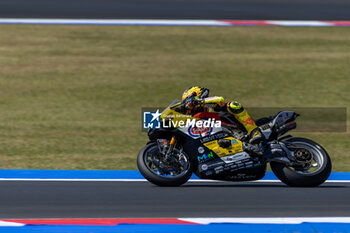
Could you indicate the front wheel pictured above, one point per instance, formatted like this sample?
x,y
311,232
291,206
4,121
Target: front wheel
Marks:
x,y
315,164
158,170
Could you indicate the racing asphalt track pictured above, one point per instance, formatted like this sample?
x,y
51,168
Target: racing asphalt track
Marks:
x,y
178,9
66,199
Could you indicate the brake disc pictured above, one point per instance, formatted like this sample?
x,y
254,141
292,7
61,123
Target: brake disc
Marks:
x,y
304,158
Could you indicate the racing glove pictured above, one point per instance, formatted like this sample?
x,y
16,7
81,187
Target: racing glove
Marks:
x,y
191,103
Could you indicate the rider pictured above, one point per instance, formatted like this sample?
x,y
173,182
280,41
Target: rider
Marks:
x,y
196,98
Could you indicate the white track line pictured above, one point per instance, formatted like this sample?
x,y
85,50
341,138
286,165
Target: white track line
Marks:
x,y
269,220
227,220
174,22
10,224
298,23
116,22
114,180
144,180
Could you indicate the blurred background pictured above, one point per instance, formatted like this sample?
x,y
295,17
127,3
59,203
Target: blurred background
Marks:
x,y
71,95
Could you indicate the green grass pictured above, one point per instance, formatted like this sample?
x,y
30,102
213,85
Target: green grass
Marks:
x,y
71,96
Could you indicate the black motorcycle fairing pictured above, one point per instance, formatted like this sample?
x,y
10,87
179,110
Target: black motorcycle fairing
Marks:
x,y
247,174
192,147
217,169
154,134
211,167
195,149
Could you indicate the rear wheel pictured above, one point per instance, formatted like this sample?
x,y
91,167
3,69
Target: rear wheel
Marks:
x,y
158,170
314,165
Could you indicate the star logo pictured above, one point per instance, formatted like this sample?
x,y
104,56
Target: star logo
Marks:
x,y
151,120
155,115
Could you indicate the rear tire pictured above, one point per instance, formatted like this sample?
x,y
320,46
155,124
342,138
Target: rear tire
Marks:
x,y
157,179
296,179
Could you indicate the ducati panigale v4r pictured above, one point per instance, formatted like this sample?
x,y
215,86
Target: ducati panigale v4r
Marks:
x,y
223,153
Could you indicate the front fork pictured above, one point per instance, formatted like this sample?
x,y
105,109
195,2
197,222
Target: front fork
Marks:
x,y
171,147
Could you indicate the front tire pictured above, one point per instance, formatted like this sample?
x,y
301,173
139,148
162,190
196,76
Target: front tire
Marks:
x,y
305,179
150,172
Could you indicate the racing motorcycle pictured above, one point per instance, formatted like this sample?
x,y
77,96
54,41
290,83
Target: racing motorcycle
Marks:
x,y
175,151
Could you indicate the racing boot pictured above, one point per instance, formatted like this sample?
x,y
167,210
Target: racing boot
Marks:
x,y
256,137
253,149
242,116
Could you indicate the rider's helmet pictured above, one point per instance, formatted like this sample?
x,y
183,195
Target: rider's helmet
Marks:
x,y
193,95
195,92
